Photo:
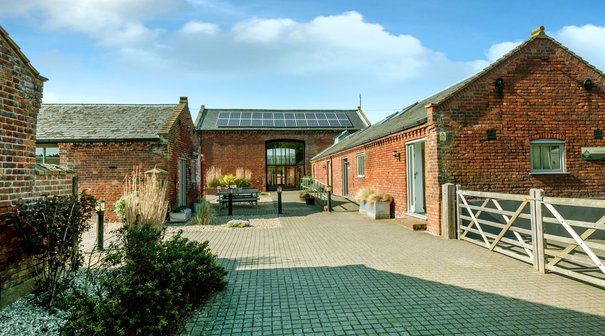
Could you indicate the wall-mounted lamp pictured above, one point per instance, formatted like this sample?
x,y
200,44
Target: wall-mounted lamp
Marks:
x,y
397,155
588,84
499,84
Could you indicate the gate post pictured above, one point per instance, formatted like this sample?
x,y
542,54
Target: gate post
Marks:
x,y
457,212
448,211
537,228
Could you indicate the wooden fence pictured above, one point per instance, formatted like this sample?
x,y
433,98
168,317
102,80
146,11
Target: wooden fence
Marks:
x,y
562,235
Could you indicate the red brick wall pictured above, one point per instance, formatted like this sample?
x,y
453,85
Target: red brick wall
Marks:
x,y
230,150
53,184
183,143
92,162
20,100
382,171
543,98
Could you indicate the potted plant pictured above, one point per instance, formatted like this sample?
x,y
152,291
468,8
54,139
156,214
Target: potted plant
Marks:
x,y
309,199
180,214
374,204
302,195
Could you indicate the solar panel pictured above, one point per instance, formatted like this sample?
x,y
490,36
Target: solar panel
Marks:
x,y
283,119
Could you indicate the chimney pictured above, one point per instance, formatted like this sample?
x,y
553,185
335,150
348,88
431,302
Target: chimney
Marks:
x,y
183,100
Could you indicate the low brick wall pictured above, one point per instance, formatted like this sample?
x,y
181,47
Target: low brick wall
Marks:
x,y
16,277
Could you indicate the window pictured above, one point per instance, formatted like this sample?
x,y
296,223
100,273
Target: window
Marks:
x,y
361,165
547,156
47,154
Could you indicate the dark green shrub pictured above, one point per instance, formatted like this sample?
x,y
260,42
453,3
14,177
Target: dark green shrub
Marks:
x,y
52,228
156,288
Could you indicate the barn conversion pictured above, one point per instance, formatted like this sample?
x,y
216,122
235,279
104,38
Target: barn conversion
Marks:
x,y
529,120
103,143
275,145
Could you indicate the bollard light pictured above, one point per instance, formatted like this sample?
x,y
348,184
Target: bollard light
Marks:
x,y
100,208
279,208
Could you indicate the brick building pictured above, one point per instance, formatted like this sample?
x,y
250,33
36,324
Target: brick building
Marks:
x,y
104,143
523,122
276,145
21,88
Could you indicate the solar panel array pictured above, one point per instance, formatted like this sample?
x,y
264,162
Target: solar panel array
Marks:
x,y
283,119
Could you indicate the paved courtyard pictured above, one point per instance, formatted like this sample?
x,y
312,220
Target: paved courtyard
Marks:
x,y
341,274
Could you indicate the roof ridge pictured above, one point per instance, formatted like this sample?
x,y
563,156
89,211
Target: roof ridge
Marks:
x,y
20,54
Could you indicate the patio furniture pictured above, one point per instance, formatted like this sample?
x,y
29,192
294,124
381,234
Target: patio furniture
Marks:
x,y
239,195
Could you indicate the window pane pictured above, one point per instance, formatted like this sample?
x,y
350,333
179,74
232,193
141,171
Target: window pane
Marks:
x,y
545,156
535,157
555,157
39,155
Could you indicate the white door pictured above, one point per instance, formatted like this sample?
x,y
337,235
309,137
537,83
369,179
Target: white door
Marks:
x,y
415,176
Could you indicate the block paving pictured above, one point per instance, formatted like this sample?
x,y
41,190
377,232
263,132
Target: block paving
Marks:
x,y
342,274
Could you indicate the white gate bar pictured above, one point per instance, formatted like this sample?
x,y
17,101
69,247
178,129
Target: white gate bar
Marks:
x,y
576,237
475,220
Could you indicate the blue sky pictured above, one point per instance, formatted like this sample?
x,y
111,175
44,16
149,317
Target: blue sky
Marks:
x,y
281,54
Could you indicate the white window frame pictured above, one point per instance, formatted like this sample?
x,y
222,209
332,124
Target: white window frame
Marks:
x,y
43,148
542,143
363,165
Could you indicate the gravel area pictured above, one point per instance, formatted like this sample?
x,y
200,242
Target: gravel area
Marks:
x,y
25,318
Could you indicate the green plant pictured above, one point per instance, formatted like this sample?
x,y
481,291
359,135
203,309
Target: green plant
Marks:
x,y
155,289
144,200
52,228
206,213
238,223
228,180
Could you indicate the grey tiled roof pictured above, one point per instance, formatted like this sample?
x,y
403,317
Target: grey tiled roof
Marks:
x,y
207,120
408,117
103,122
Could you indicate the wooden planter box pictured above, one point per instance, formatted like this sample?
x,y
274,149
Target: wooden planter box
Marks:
x,y
375,210
182,216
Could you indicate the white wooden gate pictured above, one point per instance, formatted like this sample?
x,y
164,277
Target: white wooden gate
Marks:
x,y
533,228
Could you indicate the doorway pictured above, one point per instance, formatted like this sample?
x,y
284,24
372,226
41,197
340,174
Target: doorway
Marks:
x,y
345,177
285,164
415,176
182,182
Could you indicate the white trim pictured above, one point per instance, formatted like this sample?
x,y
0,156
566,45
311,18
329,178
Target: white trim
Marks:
x,y
417,215
414,141
357,156
547,142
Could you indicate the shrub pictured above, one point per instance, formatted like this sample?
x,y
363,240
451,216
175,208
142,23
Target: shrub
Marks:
x,y
213,176
144,200
205,214
53,228
154,291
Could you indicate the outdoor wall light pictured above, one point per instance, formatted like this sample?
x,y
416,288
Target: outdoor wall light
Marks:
x,y
397,155
499,84
588,84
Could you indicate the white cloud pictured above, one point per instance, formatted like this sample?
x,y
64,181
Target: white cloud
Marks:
x,y
194,27
500,49
113,23
340,48
587,41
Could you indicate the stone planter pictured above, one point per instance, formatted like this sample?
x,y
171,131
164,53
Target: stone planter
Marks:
x,y
375,210
182,216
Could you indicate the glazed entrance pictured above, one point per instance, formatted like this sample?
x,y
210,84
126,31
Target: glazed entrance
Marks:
x,y
285,164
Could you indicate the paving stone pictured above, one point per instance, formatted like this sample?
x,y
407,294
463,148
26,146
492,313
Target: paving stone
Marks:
x,y
343,274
